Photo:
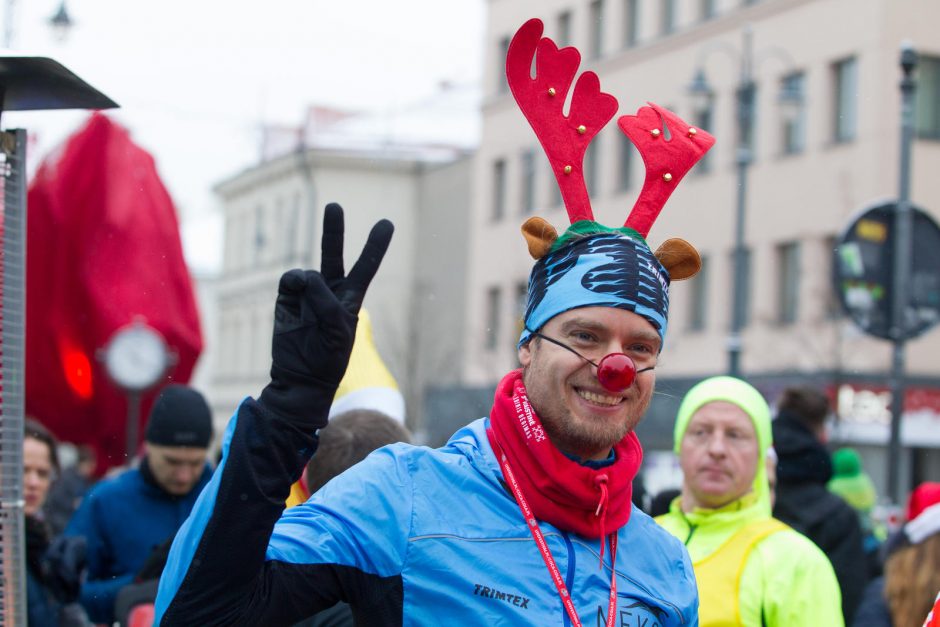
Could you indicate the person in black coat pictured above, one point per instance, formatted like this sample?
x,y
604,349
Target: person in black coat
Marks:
x,y
803,501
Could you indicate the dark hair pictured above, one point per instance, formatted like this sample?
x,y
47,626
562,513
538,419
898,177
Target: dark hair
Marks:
x,y
660,503
347,440
805,403
34,429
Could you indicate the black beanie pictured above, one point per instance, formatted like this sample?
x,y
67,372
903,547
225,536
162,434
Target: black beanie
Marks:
x,y
180,417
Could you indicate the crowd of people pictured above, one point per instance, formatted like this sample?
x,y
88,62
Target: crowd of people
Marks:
x,y
761,563
526,515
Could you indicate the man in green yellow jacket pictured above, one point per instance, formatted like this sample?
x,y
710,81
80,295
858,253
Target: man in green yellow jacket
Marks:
x,y
751,569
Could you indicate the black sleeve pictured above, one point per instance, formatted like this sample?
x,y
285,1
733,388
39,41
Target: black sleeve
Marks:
x,y
216,573
847,554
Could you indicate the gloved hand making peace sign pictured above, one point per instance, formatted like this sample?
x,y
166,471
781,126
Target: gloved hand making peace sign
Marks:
x,y
315,324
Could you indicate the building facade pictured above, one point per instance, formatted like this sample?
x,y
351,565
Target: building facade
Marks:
x,y
273,217
815,166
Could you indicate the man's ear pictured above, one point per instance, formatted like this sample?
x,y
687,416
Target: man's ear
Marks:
x,y
525,354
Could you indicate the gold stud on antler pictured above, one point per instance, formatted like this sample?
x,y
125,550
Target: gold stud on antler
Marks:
x,y
667,177
582,129
567,169
655,132
551,91
692,131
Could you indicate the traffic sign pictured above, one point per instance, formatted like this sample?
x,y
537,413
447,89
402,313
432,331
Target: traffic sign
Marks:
x,y
863,269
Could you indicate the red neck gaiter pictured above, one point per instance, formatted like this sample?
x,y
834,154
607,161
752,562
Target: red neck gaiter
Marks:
x,y
573,497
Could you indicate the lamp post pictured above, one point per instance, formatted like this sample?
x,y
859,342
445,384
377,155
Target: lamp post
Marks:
x,y
61,22
902,269
745,96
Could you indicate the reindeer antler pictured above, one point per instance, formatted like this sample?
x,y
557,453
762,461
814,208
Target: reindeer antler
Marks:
x,y
542,99
667,160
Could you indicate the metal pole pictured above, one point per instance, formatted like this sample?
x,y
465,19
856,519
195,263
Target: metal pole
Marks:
x,y
133,423
12,369
902,269
744,157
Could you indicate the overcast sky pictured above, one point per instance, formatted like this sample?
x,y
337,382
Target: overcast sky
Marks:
x,y
196,79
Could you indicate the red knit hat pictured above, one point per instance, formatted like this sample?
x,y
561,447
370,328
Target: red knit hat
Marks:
x,y
923,496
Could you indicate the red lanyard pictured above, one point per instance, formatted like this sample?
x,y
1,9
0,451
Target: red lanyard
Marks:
x,y
547,554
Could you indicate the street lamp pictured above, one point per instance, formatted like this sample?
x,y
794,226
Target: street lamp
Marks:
x,y
790,100
61,22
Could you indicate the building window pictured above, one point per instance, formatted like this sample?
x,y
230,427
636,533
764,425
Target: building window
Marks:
x,y
698,313
596,42
260,237
708,9
788,282
927,98
631,26
493,297
743,283
499,189
554,192
591,166
522,294
845,100
502,86
794,115
625,164
668,17
528,181
703,119
564,29
832,304
750,129
292,229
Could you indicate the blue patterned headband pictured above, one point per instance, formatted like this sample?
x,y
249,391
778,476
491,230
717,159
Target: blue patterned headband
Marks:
x,y
601,270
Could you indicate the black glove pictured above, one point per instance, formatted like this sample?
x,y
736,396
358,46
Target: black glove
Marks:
x,y
155,562
315,324
63,567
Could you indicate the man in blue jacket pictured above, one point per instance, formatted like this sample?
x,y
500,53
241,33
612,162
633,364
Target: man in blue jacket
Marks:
x,y
524,517
126,518
419,536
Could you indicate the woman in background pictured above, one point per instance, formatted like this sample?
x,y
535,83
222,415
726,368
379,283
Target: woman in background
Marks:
x,y
52,571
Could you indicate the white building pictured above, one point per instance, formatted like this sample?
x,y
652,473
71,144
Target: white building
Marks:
x,y
811,174
273,217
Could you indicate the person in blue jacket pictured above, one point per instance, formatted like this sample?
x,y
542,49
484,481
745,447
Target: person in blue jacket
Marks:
x,y
126,518
525,516
419,536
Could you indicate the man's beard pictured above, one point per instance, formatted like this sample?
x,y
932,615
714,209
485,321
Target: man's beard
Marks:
x,y
579,437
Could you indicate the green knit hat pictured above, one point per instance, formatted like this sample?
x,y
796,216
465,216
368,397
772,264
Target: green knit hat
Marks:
x,y
846,463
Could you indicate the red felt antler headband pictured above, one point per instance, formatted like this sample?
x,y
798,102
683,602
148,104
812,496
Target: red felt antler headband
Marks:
x,y
669,146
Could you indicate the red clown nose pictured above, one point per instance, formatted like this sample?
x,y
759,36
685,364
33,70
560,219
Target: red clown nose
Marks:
x,y
616,372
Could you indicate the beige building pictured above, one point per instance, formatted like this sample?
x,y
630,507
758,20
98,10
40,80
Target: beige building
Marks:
x,y
815,166
273,216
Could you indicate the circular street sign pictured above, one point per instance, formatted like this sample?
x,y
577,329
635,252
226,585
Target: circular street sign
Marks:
x,y
136,357
863,272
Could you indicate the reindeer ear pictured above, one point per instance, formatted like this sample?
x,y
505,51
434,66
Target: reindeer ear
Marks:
x,y
679,258
539,235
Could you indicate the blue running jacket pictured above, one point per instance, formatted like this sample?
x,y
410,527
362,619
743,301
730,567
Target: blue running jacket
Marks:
x,y
410,536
